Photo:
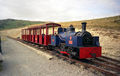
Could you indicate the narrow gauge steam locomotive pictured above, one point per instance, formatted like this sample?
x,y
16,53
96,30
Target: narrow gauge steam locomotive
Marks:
x,y
79,44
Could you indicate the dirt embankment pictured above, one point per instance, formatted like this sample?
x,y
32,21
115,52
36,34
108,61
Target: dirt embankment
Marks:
x,y
13,32
109,40
17,31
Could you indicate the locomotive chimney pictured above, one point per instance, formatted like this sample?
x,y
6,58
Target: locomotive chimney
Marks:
x,y
84,26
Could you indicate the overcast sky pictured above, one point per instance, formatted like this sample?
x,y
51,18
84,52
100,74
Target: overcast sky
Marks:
x,y
58,10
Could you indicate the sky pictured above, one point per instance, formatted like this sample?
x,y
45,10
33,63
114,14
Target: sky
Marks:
x,y
58,10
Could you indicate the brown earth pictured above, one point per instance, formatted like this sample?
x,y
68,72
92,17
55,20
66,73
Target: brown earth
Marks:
x,y
109,40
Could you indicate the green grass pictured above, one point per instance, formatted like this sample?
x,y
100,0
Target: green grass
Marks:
x,y
12,23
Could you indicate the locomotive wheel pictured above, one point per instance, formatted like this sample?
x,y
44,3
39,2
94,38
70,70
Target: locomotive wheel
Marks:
x,y
71,56
72,51
61,53
62,47
69,50
49,47
45,48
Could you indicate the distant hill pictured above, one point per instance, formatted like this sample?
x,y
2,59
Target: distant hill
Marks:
x,y
107,23
13,23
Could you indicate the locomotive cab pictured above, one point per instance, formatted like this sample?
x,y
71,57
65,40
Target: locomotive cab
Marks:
x,y
61,30
71,29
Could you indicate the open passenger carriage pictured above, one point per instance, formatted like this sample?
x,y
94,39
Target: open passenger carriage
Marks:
x,y
39,34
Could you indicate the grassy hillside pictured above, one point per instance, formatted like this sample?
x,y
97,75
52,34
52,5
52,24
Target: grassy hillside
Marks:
x,y
12,23
107,23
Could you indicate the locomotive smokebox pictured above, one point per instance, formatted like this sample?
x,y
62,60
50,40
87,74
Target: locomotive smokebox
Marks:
x,y
84,26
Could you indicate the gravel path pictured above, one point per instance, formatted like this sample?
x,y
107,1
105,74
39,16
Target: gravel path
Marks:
x,y
22,61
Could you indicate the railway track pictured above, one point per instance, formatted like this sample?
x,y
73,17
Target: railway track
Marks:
x,y
103,64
